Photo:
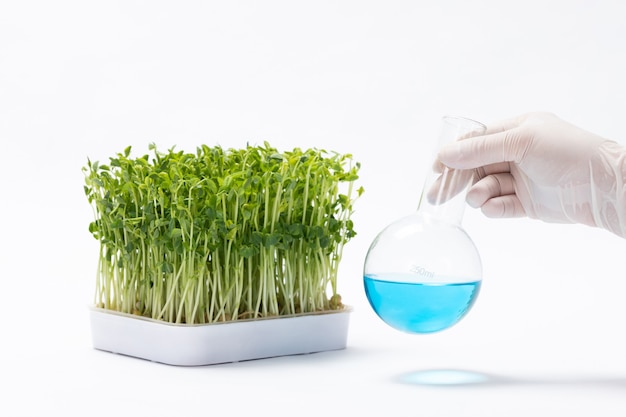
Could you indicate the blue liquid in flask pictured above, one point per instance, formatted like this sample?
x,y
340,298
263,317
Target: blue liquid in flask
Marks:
x,y
419,307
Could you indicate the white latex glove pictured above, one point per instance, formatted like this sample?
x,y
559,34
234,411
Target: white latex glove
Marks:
x,y
540,166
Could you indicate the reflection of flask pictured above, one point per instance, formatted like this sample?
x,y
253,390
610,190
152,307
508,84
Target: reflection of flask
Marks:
x,y
423,273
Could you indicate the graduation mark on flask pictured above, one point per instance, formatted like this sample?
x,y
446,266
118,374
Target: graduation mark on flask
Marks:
x,y
421,271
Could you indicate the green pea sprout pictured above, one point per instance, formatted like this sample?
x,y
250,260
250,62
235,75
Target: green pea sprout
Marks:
x,y
221,234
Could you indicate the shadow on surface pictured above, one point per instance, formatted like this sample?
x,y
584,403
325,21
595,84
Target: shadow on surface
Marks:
x,y
464,378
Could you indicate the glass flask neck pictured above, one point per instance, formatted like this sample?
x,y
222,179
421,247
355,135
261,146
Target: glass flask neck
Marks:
x,y
443,195
443,198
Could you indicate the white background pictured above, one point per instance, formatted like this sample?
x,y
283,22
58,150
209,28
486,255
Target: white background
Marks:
x,y
84,80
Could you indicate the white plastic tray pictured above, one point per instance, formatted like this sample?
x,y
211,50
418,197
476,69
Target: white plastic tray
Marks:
x,y
207,344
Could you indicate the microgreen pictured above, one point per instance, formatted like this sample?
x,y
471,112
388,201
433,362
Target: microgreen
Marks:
x,y
221,234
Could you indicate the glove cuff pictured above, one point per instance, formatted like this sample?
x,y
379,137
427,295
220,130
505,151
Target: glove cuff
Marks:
x,y
608,188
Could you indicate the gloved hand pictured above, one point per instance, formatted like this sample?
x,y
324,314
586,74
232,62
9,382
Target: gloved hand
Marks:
x,y
540,166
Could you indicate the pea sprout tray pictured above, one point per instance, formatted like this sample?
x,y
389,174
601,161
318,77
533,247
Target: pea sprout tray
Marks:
x,y
209,344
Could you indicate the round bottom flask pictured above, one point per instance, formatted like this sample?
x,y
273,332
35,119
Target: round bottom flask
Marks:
x,y
422,273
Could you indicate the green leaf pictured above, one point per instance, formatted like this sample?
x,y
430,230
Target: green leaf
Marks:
x,y
167,268
272,239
